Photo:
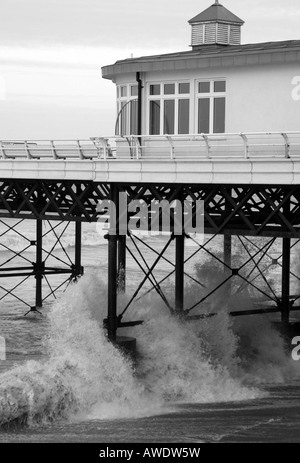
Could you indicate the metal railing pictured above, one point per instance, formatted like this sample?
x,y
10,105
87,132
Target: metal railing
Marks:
x,y
268,145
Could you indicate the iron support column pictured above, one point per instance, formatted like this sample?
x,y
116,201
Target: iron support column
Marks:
x,y
286,261
179,273
39,267
77,265
179,256
122,263
112,264
227,251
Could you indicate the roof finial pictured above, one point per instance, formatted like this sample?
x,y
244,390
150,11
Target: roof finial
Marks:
x,y
216,2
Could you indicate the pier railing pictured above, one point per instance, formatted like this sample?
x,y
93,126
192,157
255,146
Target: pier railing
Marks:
x,y
284,145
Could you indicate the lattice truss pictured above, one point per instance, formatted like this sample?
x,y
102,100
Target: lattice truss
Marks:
x,y
211,281
47,200
241,210
246,210
36,263
253,210
259,217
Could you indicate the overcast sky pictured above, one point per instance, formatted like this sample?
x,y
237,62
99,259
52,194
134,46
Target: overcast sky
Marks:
x,y
51,53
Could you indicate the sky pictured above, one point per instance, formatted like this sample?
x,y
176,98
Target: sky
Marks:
x,y
52,51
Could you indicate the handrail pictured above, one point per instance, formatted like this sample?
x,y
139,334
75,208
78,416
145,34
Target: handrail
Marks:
x,y
246,144
243,145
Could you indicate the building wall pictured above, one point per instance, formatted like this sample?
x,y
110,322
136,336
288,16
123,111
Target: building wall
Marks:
x,y
259,98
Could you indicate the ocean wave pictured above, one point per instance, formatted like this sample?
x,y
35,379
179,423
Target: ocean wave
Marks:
x,y
85,377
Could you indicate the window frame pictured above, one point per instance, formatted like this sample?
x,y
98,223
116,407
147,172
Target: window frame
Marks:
x,y
162,97
211,95
124,100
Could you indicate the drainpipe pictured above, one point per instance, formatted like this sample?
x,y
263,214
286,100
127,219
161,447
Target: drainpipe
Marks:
x,y
140,87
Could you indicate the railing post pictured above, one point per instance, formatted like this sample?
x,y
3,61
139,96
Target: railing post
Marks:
x,y
28,155
53,149
101,146
246,145
104,141
286,145
79,149
2,150
138,142
135,146
172,147
205,137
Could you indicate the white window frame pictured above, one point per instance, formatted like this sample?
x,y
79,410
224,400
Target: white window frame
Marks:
x,y
211,95
125,99
176,96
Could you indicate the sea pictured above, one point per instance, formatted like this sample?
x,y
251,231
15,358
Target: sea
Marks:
x,y
209,380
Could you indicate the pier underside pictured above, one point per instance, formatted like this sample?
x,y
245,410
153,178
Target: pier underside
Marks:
x,y
257,225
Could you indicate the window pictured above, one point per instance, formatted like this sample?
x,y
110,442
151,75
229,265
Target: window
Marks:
x,y
169,89
154,117
169,108
155,89
203,115
127,109
204,87
219,115
169,116
123,91
183,116
134,89
211,106
184,88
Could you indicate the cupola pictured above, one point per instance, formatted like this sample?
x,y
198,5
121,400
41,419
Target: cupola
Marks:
x,y
216,26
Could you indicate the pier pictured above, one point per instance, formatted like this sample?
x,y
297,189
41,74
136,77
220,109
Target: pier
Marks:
x,y
249,184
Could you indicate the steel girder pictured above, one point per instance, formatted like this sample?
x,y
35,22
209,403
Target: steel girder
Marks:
x,y
254,210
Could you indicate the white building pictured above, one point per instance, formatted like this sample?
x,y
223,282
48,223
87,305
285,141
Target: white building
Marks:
x,y
218,86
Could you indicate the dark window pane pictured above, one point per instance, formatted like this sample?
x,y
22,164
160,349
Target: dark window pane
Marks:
x,y
203,115
154,128
169,89
204,87
133,117
169,116
219,115
134,90
220,86
183,116
123,91
155,89
184,88
117,92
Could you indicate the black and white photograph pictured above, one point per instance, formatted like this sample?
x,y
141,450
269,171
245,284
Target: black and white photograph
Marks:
x,y
149,226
